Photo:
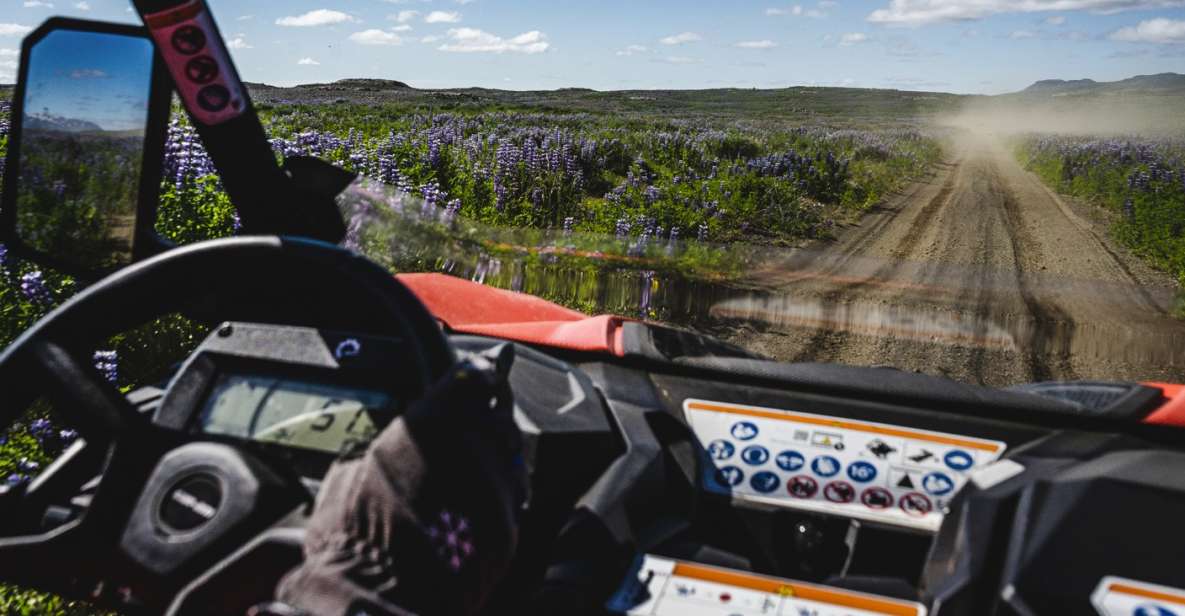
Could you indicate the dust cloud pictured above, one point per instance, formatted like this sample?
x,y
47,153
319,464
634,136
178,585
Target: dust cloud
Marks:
x,y
1151,116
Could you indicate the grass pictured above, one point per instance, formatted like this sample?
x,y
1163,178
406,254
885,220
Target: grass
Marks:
x,y
1139,181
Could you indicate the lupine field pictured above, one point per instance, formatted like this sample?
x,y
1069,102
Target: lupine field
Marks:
x,y
1140,181
583,172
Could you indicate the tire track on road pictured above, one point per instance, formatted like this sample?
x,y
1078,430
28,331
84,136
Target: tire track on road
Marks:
x,y
825,340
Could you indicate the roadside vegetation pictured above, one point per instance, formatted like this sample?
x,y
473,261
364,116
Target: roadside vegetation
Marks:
x,y
1140,181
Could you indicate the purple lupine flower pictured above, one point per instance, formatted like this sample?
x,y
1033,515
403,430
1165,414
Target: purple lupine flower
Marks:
x,y
16,479
40,428
67,436
107,363
568,223
3,256
703,232
27,466
34,289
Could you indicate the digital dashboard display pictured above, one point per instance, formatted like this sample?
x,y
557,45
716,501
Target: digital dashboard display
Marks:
x,y
294,413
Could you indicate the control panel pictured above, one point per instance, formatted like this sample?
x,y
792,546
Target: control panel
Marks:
x,y
663,587
858,469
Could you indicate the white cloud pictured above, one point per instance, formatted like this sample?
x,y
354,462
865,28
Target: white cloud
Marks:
x,y
1055,20
9,53
852,38
88,73
431,38
402,28
38,4
83,5
776,11
374,36
472,40
1159,30
921,12
308,62
633,49
798,10
13,29
239,42
762,44
680,60
1018,35
442,17
404,16
244,17
317,17
681,38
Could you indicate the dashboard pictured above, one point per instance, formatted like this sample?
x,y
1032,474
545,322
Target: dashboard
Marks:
x,y
796,489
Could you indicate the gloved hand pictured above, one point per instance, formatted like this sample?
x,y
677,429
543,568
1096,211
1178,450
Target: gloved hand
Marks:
x,y
425,521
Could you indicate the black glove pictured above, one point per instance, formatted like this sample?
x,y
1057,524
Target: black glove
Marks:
x,y
425,521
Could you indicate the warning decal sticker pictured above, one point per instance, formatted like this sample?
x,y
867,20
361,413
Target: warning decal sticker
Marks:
x,y
198,61
1116,595
859,469
663,587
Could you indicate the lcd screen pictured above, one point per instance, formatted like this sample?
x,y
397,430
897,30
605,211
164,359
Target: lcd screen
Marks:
x,y
295,413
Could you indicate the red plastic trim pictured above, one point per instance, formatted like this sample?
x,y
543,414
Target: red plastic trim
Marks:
x,y
1172,412
471,308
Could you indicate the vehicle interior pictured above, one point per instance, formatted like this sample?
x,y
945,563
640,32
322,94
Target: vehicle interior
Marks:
x,y
735,484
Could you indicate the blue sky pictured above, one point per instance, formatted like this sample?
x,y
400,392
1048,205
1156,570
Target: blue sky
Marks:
x,y
68,67
984,46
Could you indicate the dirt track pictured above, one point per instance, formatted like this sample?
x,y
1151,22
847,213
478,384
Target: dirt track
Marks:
x,y
979,273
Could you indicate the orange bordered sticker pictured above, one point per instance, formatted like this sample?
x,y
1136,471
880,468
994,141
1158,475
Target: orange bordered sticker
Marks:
x,y
198,61
666,587
859,469
1115,595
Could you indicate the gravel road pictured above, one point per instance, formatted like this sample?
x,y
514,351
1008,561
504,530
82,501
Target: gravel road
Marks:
x,y
979,273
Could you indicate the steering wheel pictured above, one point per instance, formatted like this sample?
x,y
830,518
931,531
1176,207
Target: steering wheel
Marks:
x,y
262,279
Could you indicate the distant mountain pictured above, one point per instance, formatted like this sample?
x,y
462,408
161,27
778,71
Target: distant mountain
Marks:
x,y
1162,83
48,121
1060,85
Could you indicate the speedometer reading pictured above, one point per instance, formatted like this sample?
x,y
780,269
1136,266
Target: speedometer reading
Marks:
x,y
329,418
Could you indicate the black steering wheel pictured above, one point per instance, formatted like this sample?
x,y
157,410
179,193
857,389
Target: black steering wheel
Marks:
x,y
260,279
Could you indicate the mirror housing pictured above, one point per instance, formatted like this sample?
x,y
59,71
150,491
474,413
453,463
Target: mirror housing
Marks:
x,y
86,222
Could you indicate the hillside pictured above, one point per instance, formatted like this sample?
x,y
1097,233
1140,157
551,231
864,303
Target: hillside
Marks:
x,y
805,103
1162,84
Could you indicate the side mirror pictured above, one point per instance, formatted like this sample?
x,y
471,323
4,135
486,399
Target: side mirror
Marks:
x,y
83,171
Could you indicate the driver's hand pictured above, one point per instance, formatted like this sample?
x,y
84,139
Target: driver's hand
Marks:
x,y
425,520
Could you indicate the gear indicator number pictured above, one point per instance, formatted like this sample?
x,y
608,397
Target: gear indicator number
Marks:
x,y
859,469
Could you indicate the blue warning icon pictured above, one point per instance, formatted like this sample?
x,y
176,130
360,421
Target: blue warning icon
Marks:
x,y
744,431
730,476
825,466
958,460
790,460
720,449
938,484
755,455
862,472
1152,609
765,482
